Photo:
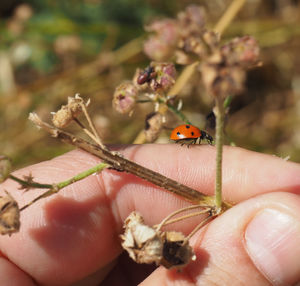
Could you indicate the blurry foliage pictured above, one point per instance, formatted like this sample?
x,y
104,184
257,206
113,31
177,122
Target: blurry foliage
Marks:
x,y
52,49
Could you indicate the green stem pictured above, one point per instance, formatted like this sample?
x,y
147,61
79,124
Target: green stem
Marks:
x,y
29,184
175,111
53,189
219,113
80,176
178,113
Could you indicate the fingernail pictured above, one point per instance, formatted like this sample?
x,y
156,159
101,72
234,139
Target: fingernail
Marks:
x,y
273,243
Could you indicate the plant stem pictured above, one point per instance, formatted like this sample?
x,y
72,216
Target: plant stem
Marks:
x,y
30,184
80,176
175,111
54,188
219,113
229,15
120,163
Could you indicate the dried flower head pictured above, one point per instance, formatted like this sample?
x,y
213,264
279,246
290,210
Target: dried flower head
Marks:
x,y
9,215
5,168
181,37
154,124
165,77
142,242
125,97
160,46
177,252
192,20
147,245
221,79
243,51
67,113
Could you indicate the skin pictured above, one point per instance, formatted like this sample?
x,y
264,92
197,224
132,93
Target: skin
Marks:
x,y
72,238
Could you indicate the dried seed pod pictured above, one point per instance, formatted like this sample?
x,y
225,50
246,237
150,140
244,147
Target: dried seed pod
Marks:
x,y
154,124
67,113
142,242
5,168
177,252
124,97
9,215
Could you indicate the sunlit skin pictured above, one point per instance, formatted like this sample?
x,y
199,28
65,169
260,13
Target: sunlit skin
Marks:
x,y
67,237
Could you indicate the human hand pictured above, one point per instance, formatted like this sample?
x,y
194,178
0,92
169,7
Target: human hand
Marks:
x,y
73,237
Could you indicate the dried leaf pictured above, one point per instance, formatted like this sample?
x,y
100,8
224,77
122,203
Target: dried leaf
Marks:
x,y
9,215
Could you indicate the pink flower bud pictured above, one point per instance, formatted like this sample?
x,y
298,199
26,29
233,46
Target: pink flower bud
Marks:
x,y
160,46
157,50
165,76
124,97
192,20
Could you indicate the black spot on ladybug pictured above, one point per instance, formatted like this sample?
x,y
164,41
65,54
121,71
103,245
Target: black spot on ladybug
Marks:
x,y
178,133
187,126
192,133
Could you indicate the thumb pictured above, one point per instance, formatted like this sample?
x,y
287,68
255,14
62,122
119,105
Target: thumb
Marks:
x,y
254,243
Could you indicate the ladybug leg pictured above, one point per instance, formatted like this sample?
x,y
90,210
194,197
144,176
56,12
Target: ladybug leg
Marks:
x,y
191,141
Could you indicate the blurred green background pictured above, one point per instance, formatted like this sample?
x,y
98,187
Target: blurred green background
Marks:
x,y
52,49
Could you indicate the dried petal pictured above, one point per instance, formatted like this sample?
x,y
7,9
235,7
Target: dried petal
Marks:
x,y
9,215
142,242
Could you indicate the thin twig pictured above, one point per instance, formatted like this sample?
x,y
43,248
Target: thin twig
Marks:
x,y
167,220
201,224
229,15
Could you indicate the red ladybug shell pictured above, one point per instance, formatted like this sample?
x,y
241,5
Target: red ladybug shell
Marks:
x,y
185,131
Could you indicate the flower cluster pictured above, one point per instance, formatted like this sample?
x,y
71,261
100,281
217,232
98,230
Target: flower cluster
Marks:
x,y
185,37
224,71
148,85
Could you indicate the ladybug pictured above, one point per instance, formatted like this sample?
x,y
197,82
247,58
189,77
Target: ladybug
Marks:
x,y
146,75
189,134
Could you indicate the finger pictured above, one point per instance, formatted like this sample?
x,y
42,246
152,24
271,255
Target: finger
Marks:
x,y
83,221
12,275
254,243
